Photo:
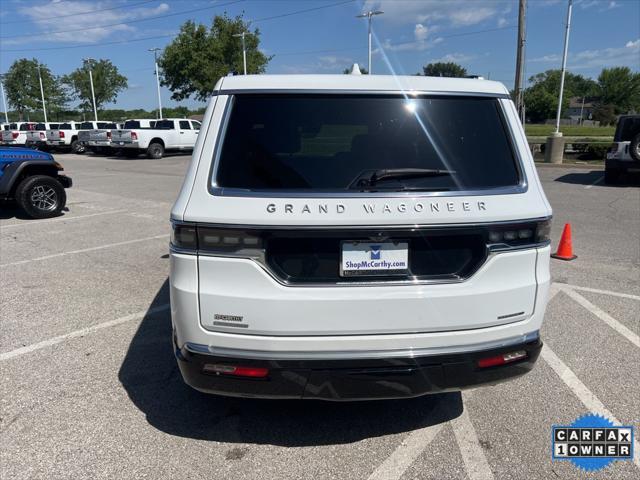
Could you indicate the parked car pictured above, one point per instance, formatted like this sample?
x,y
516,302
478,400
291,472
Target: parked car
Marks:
x,y
98,140
358,237
65,137
166,134
624,155
37,138
33,180
16,134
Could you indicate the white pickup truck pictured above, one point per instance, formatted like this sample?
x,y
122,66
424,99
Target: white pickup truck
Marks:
x,y
16,134
37,138
98,140
65,136
167,134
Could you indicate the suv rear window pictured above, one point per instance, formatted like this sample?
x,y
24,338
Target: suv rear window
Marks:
x,y
337,142
627,128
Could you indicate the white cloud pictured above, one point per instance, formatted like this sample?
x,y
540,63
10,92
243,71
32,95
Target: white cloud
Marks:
x,y
628,55
420,32
454,57
41,16
502,22
454,12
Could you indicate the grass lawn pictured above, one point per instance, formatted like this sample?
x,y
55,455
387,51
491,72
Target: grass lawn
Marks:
x,y
569,131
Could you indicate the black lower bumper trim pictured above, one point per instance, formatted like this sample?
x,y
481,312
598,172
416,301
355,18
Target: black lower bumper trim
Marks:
x,y
357,379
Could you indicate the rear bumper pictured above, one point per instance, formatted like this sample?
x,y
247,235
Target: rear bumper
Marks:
x,y
354,379
622,164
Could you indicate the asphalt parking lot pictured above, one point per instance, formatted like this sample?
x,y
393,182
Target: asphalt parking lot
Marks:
x,y
90,388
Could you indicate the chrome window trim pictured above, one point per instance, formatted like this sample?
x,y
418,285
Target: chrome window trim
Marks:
x,y
217,191
260,260
357,354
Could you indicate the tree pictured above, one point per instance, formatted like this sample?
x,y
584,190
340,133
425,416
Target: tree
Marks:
x,y
620,87
444,69
604,113
195,60
107,83
23,87
541,98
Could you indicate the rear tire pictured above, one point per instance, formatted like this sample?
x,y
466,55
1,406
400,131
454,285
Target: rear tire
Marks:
x,y
41,196
77,147
634,147
155,151
611,175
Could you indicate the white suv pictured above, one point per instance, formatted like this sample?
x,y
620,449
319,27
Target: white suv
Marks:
x,y
358,237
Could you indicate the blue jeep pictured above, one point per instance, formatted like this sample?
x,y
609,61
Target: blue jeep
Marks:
x,y
33,180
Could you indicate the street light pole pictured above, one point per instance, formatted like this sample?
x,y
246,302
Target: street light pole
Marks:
x,y
44,105
4,99
564,64
368,16
244,50
155,59
93,94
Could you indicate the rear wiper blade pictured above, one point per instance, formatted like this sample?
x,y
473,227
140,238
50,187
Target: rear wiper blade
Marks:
x,y
398,174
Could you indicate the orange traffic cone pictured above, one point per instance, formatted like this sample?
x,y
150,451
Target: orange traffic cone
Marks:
x,y
565,250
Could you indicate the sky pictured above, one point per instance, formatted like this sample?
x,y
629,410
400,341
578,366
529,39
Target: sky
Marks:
x,y
324,36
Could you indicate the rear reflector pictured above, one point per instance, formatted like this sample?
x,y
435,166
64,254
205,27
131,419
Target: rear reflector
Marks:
x,y
253,372
502,359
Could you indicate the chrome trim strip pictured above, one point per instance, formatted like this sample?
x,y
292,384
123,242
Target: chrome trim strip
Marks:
x,y
357,354
215,190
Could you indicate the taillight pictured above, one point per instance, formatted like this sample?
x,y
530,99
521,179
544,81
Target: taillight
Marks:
x,y
61,134
502,359
236,371
134,136
223,241
109,135
15,135
519,234
41,135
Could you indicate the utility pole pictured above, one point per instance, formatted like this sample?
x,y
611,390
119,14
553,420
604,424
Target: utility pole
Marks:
x,y
582,111
244,50
4,99
93,94
155,59
564,64
520,54
368,16
555,143
44,105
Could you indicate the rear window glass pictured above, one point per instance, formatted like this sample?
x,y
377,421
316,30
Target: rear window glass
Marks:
x,y
13,126
41,126
627,128
365,142
86,126
25,127
106,125
65,126
164,125
131,124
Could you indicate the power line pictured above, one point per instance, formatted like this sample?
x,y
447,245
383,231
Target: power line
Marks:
x,y
128,5
127,22
264,19
93,45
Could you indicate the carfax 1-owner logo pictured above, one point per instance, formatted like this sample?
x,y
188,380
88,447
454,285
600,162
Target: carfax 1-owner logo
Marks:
x,y
592,442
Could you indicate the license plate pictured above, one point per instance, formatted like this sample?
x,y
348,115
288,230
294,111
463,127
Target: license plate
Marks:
x,y
374,258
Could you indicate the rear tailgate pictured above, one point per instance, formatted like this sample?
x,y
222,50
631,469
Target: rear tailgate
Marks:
x,y
121,137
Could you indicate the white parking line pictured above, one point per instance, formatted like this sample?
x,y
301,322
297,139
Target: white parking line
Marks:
x,y
84,250
406,453
604,316
595,183
475,462
64,218
597,290
81,333
580,390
